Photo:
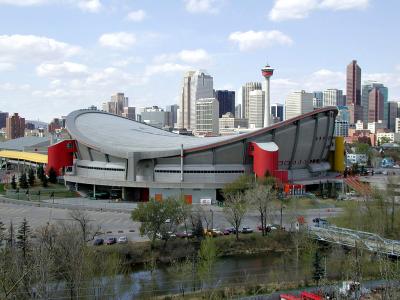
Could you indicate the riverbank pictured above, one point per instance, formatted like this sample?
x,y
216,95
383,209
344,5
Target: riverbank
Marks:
x,y
140,253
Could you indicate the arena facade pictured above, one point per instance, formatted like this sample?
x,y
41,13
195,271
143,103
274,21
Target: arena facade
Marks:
x,y
111,153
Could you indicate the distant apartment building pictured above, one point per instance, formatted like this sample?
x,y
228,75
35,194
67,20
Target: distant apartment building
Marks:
x,y
173,114
196,85
353,91
298,103
318,98
15,127
55,124
333,97
397,125
129,113
356,158
226,100
207,113
155,116
256,108
342,122
246,89
3,119
277,111
229,121
374,127
392,137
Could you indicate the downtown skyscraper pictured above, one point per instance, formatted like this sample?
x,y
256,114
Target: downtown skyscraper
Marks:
x,y
196,85
353,91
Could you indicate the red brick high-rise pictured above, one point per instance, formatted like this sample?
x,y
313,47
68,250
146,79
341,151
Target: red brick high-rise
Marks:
x,y
353,91
15,127
376,105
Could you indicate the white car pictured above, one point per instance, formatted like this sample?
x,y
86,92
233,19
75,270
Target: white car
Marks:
x,y
122,240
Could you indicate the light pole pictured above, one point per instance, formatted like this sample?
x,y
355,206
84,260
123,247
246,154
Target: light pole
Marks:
x,y
212,219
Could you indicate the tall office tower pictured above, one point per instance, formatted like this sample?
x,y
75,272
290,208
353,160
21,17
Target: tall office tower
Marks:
x,y
267,72
246,89
298,103
332,97
375,106
3,119
256,109
366,89
117,104
226,101
154,116
238,111
392,115
15,127
353,91
207,116
277,111
173,113
318,98
196,85
129,113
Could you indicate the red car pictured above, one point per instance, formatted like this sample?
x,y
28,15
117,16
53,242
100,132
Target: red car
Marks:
x,y
111,240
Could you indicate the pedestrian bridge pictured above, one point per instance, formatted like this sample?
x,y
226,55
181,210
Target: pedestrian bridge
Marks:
x,y
18,156
353,238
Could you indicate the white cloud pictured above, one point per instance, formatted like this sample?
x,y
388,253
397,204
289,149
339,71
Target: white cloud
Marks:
x,y
6,66
202,6
300,9
114,77
85,5
36,48
123,62
136,15
165,68
14,87
117,40
196,56
344,4
61,69
251,40
325,79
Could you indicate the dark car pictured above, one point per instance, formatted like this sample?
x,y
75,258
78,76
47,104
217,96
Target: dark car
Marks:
x,y
247,230
98,242
320,222
226,232
231,229
111,240
184,234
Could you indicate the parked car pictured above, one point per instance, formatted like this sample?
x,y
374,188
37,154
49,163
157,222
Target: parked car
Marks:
x,y
184,234
111,240
247,230
98,242
320,222
231,229
226,232
122,240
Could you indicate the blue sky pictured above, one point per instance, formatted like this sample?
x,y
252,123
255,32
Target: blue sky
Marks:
x,y
61,55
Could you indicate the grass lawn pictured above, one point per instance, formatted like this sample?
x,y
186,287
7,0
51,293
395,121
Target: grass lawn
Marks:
x,y
38,192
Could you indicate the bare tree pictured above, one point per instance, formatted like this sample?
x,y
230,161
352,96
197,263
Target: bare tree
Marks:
x,y
235,207
88,231
261,197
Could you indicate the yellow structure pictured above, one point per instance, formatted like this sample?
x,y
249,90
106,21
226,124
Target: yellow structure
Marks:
x,y
24,156
338,164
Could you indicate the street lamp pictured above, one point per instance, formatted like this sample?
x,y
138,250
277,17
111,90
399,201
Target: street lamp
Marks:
x,y
212,218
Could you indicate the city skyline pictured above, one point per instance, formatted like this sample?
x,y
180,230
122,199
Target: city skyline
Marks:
x,y
142,50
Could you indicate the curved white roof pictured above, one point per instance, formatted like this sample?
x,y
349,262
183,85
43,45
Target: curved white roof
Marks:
x,y
101,130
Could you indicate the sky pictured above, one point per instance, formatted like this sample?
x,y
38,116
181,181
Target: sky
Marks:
x,y
57,56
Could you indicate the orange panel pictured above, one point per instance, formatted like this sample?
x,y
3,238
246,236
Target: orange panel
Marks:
x,y
158,197
188,199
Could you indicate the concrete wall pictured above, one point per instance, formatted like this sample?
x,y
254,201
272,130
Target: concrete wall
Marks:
x,y
196,194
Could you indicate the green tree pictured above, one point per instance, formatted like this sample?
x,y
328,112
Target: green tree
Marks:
x,y
159,217
240,185
13,183
31,177
206,259
23,239
44,181
23,183
318,271
40,173
52,175
362,148
383,140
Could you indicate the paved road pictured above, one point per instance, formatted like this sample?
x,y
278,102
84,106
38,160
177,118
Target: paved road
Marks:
x,y
114,218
